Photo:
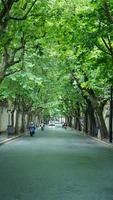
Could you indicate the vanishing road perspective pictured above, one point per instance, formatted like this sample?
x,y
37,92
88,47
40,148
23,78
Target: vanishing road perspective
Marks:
x,y
56,164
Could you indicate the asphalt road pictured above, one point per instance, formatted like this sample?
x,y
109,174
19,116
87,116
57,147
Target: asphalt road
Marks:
x,y
56,164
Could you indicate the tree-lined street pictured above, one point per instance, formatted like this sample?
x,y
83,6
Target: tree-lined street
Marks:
x,y
56,164
56,66
56,59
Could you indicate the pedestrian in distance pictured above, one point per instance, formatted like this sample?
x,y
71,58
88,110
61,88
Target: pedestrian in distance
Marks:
x,y
64,125
42,126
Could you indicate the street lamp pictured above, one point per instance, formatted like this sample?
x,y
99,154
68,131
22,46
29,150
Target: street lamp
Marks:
x,y
111,114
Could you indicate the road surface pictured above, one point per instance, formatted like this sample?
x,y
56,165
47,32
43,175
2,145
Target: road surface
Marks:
x,y
56,164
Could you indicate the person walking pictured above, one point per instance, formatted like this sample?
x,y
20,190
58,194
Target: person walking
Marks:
x,y
42,126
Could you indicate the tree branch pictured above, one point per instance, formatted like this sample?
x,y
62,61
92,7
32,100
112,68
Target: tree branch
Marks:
x,y
6,9
13,62
105,43
6,55
3,2
10,73
10,60
14,53
107,12
100,48
110,45
26,14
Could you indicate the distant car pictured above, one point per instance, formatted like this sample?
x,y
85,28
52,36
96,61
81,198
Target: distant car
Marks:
x,y
57,122
51,124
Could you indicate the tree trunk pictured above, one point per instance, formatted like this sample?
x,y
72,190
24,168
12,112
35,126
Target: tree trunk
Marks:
x,y
75,127
12,118
70,121
76,124
29,118
23,122
101,123
17,122
98,108
92,121
78,118
86,121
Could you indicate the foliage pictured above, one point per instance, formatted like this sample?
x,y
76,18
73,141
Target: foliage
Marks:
x,y
61,39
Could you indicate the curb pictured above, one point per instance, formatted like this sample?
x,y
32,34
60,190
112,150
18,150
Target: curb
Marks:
x,y
101,141
98,140
9,139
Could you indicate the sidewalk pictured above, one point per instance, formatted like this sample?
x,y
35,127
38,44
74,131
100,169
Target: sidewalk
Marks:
x,y
104,141
4,138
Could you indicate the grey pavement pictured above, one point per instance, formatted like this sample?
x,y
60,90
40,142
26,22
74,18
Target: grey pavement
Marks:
x,y
4,138
56,164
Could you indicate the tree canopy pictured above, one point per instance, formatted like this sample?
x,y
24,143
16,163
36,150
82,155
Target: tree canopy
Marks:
x,y
57,56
